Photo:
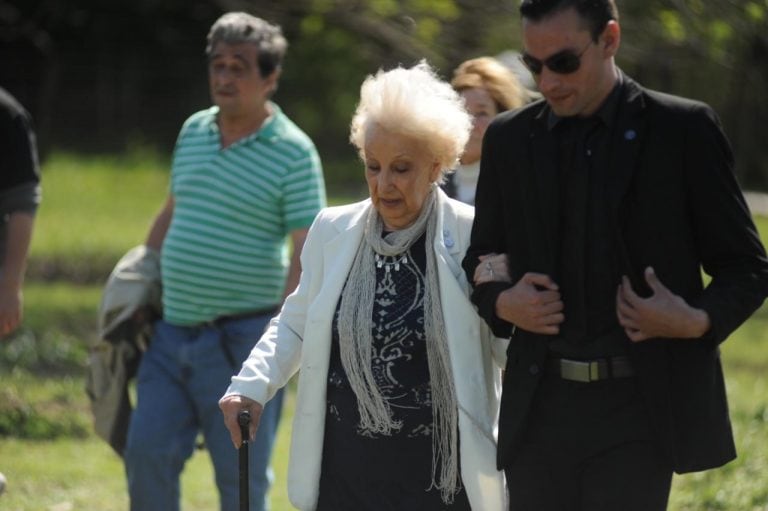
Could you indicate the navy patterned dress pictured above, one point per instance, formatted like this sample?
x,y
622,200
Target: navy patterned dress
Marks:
x,y
365,471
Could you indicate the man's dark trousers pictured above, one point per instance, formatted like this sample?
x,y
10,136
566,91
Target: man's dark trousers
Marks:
x,y
587,447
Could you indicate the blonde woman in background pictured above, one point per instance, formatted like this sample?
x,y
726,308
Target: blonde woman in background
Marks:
x,y
488,88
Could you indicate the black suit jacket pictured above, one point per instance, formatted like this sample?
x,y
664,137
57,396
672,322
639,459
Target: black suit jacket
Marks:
x,y
675,206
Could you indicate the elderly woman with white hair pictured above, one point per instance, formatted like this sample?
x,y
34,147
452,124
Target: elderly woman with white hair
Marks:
x,y
399,378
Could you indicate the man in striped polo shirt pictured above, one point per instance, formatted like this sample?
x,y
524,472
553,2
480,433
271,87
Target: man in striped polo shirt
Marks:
x,y
244,179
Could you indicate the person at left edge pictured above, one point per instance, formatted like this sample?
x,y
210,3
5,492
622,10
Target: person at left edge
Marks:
x,y
244,179
399,379
19,199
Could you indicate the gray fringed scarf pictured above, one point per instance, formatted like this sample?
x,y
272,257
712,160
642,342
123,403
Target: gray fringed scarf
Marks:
x,y
355,340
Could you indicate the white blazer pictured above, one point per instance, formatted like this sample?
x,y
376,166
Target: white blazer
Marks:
x,y
299,338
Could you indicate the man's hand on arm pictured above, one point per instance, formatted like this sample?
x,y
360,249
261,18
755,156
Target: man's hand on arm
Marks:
x,y
533,304
663,314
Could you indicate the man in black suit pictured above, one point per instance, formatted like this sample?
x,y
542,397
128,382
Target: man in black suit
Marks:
x,y
605,202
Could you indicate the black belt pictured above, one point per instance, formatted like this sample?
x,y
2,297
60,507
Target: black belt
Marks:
x,y
219,322
243,315
586,371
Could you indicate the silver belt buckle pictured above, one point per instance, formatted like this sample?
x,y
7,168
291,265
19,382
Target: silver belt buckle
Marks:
x,y
576,370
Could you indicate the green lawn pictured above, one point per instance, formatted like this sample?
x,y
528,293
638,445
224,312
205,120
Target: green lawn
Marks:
x,y
84,474
97,208
94,210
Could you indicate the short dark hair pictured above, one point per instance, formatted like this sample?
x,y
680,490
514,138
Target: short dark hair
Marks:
x,y
241,27
595,13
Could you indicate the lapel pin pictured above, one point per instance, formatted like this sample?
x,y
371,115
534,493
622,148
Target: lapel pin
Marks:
x,y
630,135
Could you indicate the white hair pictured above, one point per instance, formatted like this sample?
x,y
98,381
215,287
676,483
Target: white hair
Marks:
x,y
416,103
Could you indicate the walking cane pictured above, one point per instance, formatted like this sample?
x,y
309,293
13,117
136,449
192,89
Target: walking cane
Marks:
x,y
244,420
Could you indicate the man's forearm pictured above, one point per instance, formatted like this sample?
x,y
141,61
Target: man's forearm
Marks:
x,y
13,268
14,263
159,227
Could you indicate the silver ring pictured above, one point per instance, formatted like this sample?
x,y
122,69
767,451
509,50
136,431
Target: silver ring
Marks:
x,y
489,267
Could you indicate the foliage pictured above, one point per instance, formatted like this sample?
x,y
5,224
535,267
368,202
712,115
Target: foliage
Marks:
x,y
144,71
712,51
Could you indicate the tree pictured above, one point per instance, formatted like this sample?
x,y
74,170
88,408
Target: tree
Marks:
x,y
101,75
713,51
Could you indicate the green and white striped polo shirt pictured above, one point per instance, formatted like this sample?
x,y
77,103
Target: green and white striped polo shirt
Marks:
x,y
226,249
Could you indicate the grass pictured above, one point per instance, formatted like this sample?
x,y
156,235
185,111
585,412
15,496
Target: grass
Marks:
x,y
743,483
94,210
74,474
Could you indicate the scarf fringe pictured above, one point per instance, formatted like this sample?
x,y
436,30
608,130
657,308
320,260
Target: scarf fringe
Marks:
x,y
355,340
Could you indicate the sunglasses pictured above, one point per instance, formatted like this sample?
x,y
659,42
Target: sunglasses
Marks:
x,y
563,62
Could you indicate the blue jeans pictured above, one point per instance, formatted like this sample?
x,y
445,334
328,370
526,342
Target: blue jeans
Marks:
x,y
181,378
